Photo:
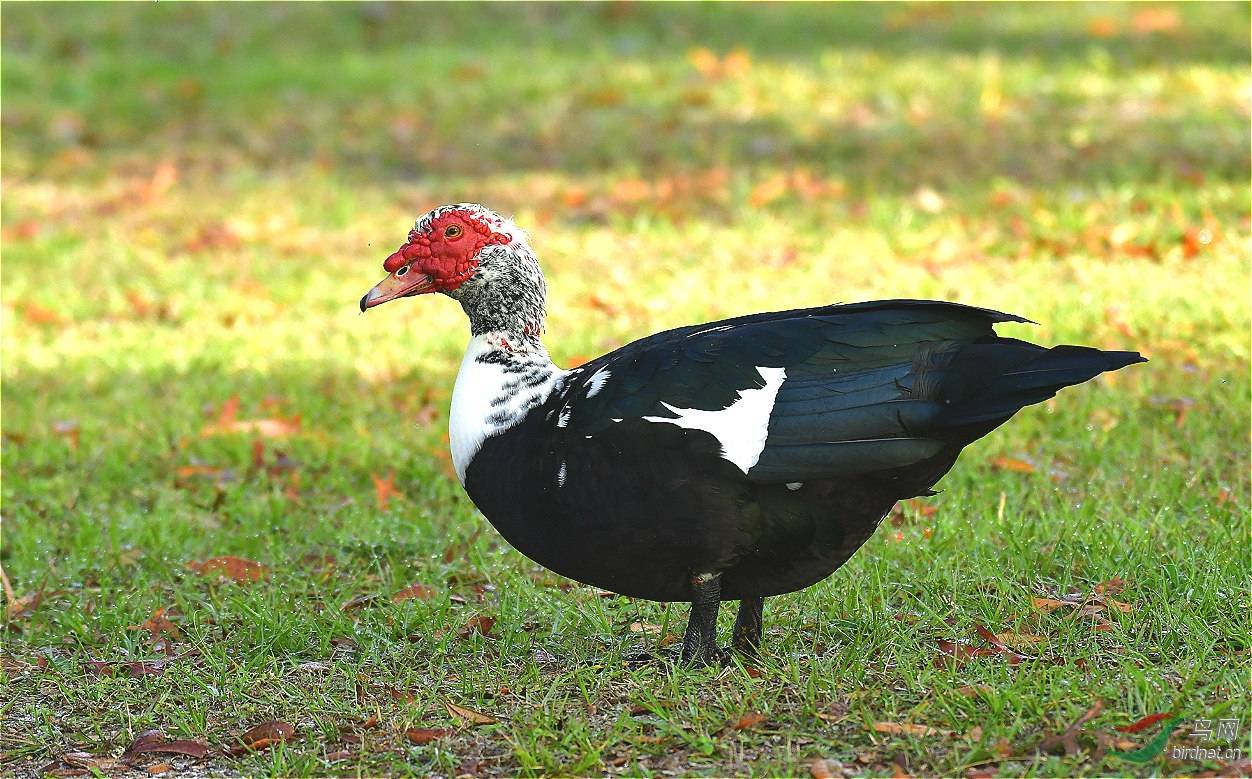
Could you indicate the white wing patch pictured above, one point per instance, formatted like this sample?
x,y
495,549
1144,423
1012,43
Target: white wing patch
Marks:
x,y
597,381
742,426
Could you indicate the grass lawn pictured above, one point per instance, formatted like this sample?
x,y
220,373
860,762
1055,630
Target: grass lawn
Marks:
x,y
195,197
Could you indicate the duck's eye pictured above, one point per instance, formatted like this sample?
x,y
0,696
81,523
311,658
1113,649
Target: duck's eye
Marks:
x,y
402,270
452,231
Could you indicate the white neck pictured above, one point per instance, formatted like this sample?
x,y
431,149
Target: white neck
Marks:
x,y
502,377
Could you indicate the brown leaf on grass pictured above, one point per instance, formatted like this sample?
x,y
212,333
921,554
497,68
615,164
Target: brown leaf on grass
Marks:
x,y
24,606
360,602
908,729
228,422
469,715
1181,406
427,735
1103,27
1048,605
1012,464
156,769
1019,640
749,720
819,770
229,567
159,624
1156,19
186,474
1067,740
155,741
37,314
264,736
996,643
415,591
480,623
975,690
385,489
1145,723
1111,587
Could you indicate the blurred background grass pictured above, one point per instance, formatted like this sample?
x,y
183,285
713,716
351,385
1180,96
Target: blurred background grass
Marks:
x,y
195,196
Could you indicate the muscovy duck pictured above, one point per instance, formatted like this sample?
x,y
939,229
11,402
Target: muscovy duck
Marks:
x,y
732,460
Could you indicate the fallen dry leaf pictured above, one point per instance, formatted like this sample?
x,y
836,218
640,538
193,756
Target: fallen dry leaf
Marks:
x,y
236,569
469,715
819,770
1111,587
427,735
385,489
1019,640
133,668
418,591
749,720
1144,723
155,741
1067,740
907,729
1048,605
159,624
1012,464
264,736
480,623
267,428
360,602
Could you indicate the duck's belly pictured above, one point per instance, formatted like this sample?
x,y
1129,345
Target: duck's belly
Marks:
x,y
642,516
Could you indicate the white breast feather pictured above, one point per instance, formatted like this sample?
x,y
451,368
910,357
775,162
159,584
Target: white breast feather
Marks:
x,y
477,385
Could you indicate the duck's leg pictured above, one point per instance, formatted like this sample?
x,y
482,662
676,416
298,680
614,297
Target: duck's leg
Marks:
x,y
700,640
746,639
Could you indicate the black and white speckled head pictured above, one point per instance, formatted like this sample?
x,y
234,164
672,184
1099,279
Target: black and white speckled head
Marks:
x,y
475,256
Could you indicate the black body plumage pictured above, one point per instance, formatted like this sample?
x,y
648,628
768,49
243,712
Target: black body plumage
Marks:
x,y
877,402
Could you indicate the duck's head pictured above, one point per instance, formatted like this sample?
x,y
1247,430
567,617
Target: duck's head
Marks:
x,y
474,255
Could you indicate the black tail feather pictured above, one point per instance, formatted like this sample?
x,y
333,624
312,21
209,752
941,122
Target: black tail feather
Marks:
x,y
991,381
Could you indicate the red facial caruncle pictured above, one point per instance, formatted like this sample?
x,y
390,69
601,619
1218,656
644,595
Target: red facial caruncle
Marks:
x,y
447,251
438,258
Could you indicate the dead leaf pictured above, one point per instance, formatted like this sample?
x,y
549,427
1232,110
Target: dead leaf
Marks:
x,y
749,720
427,735
1012,464
908,729
385,489
360,602
1067,740
1048,605
159,624
1156,19
1103,27
155,741
1144,723
264,736
1019,640
975,690
480,623
37,314
469,715
415,591
819,770
236,569
186,474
